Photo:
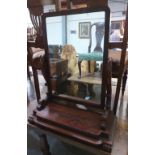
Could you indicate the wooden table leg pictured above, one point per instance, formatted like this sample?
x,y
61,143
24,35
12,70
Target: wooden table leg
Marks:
x,y
79,66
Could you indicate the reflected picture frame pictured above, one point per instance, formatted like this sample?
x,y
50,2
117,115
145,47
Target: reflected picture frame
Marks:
x,y
84,30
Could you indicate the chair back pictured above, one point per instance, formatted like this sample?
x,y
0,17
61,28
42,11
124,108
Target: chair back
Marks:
x,y
99,33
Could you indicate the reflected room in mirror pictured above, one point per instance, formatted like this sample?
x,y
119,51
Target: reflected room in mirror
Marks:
x,y
77,54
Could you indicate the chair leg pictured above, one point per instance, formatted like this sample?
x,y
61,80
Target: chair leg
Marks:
x,y
124,80
79,66
28,72
36,84
89,66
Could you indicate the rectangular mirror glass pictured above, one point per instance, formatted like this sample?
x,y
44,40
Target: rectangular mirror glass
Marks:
x,y
75,48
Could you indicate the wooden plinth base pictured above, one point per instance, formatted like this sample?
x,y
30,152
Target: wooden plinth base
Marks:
x,y
86,127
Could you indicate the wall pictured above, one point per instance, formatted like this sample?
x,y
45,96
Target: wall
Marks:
x,y
81,45
54,30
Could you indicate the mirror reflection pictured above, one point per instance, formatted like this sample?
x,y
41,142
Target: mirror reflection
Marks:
x,y
75,47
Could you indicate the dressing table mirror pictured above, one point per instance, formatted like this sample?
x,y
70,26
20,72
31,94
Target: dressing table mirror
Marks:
x,y
78,76
77,56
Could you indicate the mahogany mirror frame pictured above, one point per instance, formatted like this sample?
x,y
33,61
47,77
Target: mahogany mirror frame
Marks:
x,y
105,56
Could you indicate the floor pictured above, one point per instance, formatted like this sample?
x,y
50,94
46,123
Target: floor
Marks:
x,y
120,146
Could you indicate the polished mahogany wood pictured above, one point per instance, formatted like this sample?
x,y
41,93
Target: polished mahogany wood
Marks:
x,y
87,123
88,127
112,45
75,100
